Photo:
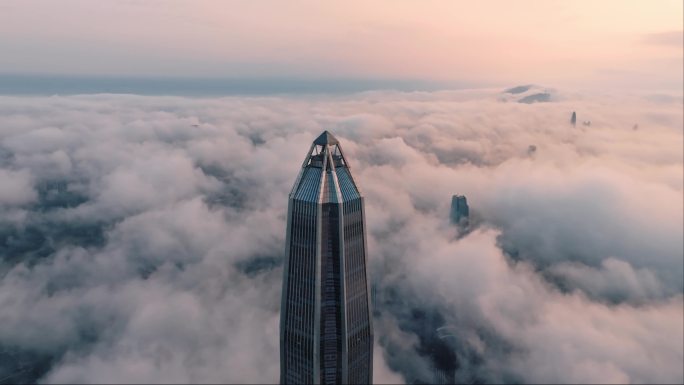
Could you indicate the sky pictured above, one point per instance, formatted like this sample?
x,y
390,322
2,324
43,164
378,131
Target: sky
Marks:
x,y
616,44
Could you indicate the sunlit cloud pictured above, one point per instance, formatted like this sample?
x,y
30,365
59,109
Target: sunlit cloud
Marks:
x,y
144,235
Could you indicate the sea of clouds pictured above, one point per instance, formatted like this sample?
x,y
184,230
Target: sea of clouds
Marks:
x,y
142,237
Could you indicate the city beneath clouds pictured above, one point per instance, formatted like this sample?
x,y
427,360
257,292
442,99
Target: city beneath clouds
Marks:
x,y
142,237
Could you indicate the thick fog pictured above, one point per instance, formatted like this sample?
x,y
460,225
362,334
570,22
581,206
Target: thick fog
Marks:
x,y
142,237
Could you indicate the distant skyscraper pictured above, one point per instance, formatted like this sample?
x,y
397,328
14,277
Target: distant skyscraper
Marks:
x,y
444,360
326,331
459,210
573,118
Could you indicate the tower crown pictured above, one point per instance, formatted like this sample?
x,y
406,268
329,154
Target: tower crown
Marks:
x,y
325,162
325,138
325,153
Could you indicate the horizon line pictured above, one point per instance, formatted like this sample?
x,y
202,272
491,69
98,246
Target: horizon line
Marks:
x,y
47,84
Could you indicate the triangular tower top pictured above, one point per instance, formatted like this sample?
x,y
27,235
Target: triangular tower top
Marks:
x,y
325,138
325,171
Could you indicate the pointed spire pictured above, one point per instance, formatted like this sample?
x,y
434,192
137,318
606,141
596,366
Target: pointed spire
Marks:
x,y
326,138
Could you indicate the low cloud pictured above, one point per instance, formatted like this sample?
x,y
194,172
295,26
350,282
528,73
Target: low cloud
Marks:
x,y
142,237
17,188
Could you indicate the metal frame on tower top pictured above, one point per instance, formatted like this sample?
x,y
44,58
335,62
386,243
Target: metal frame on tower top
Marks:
x,y
325,147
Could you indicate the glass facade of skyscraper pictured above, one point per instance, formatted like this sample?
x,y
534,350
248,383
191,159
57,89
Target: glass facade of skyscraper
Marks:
x,y
326,331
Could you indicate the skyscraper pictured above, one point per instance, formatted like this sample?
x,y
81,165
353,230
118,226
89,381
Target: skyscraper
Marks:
x,y
326,331
459,210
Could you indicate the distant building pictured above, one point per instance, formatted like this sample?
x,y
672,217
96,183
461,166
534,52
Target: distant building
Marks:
x,y
444,360
444,363
573,119
459,210
435,348
326,330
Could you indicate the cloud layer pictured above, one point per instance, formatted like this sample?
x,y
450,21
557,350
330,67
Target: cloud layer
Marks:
x,y
142,237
